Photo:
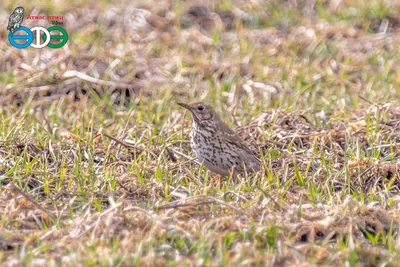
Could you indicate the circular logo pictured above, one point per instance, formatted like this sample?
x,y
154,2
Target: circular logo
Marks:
x,y
28,37
36,42
63,37
35,37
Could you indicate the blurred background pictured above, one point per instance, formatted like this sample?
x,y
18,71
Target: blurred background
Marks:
x,y
293,54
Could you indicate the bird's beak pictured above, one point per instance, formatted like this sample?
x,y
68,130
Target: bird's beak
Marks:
x,y
185,106
190,109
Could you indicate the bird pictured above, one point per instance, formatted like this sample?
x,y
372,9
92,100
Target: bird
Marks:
x,y
216,145
15,19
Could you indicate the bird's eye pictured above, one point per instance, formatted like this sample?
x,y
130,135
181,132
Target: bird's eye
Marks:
x,y
200,108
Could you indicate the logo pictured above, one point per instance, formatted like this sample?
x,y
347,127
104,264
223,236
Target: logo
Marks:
x,y
43,36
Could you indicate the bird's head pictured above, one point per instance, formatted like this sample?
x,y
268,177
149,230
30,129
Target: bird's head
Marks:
x,y
19,10
200,112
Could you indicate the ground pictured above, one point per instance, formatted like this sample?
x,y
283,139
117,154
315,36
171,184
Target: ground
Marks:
x,y
95,164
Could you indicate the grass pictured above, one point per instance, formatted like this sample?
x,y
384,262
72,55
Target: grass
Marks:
x,y
95,164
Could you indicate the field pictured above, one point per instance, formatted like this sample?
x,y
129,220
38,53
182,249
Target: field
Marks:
x,y
95,163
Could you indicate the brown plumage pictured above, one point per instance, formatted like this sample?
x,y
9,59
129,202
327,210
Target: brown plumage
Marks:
x,y
216,145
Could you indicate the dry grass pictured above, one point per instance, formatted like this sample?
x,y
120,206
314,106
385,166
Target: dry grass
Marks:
x,y
94,160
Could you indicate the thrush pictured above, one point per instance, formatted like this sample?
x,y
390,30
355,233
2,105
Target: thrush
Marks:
x,y
216,145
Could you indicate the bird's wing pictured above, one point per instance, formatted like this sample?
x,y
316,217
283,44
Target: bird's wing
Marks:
x,y
235,139
11,20
14,18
